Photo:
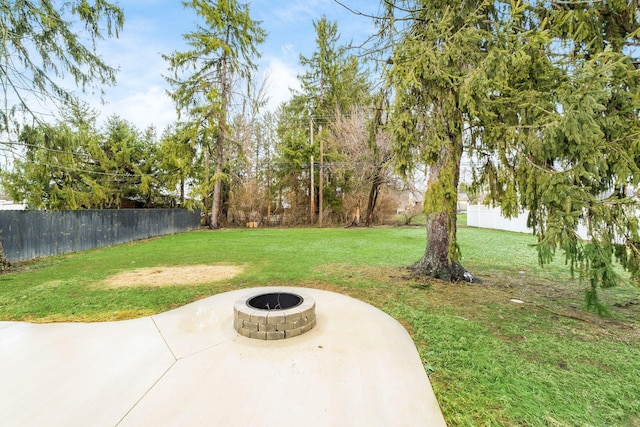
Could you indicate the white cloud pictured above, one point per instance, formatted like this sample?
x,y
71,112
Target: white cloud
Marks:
x,y
139,95
305,12
143,108
281,79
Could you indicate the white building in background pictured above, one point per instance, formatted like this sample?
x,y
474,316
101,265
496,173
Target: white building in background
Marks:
x,y
6,204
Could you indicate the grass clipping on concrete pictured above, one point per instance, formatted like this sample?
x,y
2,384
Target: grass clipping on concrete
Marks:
x,y
174,276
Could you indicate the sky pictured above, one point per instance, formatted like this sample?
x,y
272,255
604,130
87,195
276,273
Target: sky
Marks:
x,y
156,27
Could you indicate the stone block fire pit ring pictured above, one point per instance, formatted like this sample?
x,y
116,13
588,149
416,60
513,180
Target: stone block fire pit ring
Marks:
x,y
274,315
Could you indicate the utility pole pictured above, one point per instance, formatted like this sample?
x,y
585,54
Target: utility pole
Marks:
x,y
320,179
312,190
269,174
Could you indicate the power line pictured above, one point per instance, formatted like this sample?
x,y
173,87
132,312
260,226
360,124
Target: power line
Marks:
x,y
92,172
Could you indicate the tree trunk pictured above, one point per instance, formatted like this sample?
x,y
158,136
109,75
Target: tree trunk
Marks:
x,y
5,265
436,261
182,183
355,221
217,190
373,196
442,255
379,158
220,142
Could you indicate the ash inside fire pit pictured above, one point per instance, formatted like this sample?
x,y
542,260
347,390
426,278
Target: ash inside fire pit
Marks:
x,y
275,301
274,315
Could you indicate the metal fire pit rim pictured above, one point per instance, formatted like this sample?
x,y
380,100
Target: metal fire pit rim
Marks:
x,y
264,294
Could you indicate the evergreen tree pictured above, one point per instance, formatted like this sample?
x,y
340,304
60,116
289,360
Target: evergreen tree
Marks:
x,y
179,161
544,97
55,172
71,165
332,84
333,80
45,40
294,152
441,49
222,52
126,164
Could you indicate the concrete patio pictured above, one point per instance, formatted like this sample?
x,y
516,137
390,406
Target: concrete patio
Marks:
x,y
356,367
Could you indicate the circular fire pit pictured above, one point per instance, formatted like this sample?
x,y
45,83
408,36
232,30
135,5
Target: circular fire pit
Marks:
x,y
274,315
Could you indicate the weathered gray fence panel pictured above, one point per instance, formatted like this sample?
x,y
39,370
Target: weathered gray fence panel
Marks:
x,y
32,234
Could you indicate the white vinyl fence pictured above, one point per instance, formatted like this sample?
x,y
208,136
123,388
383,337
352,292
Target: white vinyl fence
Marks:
x,y
483,216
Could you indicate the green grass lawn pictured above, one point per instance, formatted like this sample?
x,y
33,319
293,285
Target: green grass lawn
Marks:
x,y
491,361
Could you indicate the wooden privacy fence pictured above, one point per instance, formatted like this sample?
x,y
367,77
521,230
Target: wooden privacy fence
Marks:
x,y
32,234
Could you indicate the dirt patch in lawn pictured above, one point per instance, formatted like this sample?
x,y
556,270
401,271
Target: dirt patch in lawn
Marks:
x,y
174,276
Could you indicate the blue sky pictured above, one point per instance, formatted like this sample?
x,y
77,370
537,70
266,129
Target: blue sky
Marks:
x,y
154,27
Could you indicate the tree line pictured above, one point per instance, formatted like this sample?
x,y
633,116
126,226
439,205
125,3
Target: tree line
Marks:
x,y
541,97
320,158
